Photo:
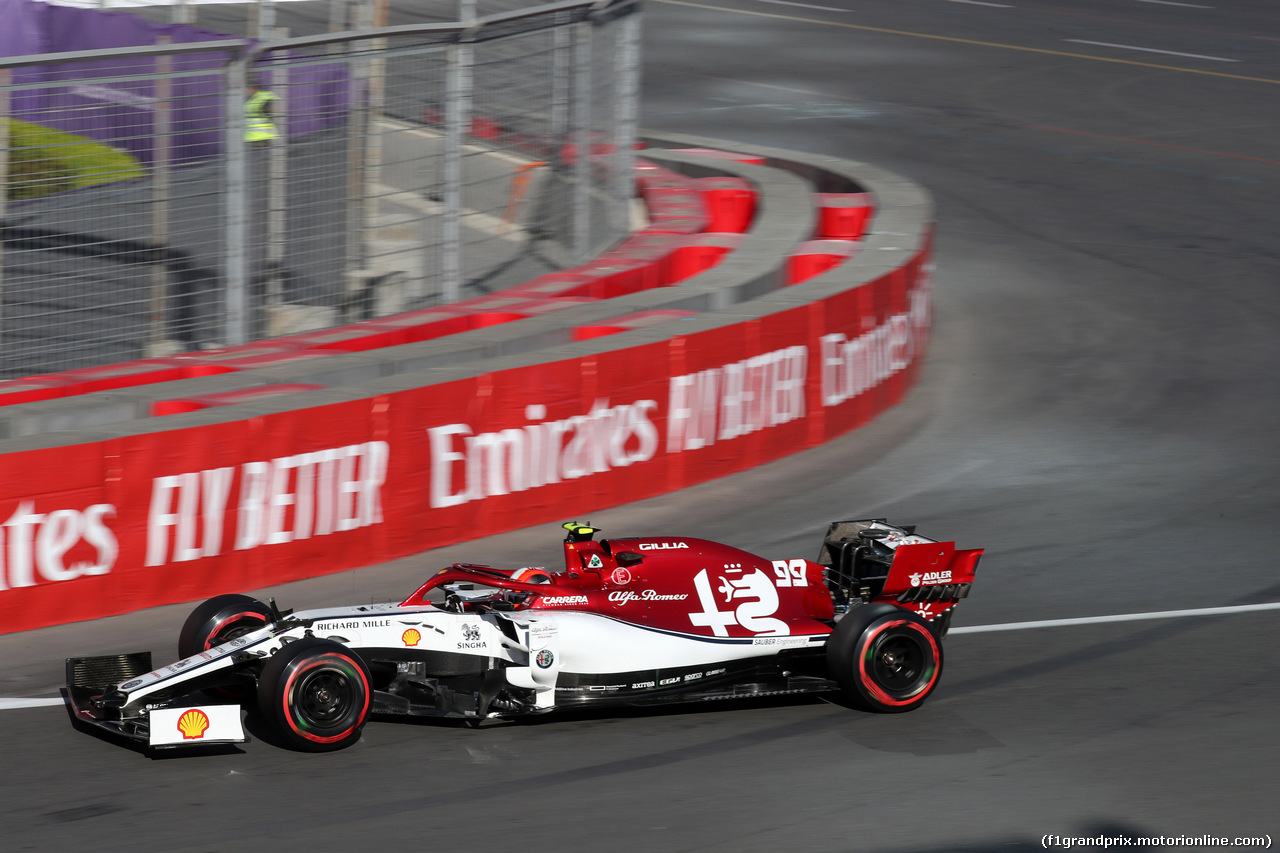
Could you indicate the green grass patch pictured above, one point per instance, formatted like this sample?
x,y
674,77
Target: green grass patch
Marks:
x,y
44,161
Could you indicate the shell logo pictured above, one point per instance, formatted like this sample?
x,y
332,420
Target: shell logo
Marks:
x,y
411,637
193,724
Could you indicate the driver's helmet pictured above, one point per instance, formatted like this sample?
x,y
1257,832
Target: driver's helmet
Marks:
x,y
532,574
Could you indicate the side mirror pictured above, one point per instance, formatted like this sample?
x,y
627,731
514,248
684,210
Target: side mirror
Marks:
x,y
629,558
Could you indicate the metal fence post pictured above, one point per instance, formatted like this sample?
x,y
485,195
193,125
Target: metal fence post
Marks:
x,y
273,262
277,178
338,15
581,131
261,19
182,12
266,19
357,144
160,191
6,76
457,109
561,68
236,211
627,111
373,143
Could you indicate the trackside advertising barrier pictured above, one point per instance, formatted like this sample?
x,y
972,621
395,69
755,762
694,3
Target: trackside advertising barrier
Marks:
x,y
108,527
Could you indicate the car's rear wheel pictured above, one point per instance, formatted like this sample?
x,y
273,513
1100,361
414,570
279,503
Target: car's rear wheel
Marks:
x,y
315,694
885,658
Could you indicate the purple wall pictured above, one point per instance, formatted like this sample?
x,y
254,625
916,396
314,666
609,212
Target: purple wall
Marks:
x,y
121,114
24,31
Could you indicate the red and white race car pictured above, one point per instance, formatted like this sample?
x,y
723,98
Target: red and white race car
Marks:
x,y
627,621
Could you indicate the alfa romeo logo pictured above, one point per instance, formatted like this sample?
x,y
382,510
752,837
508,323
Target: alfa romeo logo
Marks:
x,y
545,658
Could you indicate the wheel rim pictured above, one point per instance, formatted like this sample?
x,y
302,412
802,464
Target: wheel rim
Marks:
x,y
897,662
324,698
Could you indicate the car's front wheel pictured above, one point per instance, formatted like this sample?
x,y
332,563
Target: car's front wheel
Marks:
x,y
315,694
221,618
885,658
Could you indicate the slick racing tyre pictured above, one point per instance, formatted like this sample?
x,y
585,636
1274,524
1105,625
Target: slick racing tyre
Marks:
x,y
884,658
315,693
221,618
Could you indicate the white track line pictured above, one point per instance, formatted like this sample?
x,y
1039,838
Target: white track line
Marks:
x,y
1119,617
803,5
28,703
980,3
1171,3
1151,50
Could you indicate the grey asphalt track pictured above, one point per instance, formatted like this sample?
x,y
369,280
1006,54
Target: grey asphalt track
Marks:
x,y
1099,410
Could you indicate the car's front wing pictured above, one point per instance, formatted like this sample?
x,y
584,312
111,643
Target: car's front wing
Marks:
x,y
96,702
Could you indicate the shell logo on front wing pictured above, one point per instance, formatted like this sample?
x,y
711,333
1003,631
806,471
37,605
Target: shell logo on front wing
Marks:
x,y
193,724
411,637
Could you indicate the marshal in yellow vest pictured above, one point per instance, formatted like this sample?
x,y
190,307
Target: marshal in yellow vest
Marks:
x,y
258,126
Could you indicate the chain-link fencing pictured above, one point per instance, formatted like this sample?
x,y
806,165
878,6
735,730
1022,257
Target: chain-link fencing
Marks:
x,y
190,195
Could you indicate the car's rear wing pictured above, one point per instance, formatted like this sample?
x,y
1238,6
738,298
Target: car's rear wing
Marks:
x,y
872,560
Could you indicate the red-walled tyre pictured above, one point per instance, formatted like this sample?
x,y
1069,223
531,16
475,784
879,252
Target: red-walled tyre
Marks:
x,y
884,658
221,618
315,694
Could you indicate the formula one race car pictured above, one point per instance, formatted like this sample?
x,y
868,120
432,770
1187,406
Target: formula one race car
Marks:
x,y
627,622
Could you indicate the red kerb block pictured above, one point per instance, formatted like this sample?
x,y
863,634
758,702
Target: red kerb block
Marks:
x,y
552,284
425,325
506,306
817,256
483,127
677,225
654,248
645,170
228,398
663,181
627,322
130,374
613,278
754,159
357,337
33,389
246,357
730,202
844,216
700,252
